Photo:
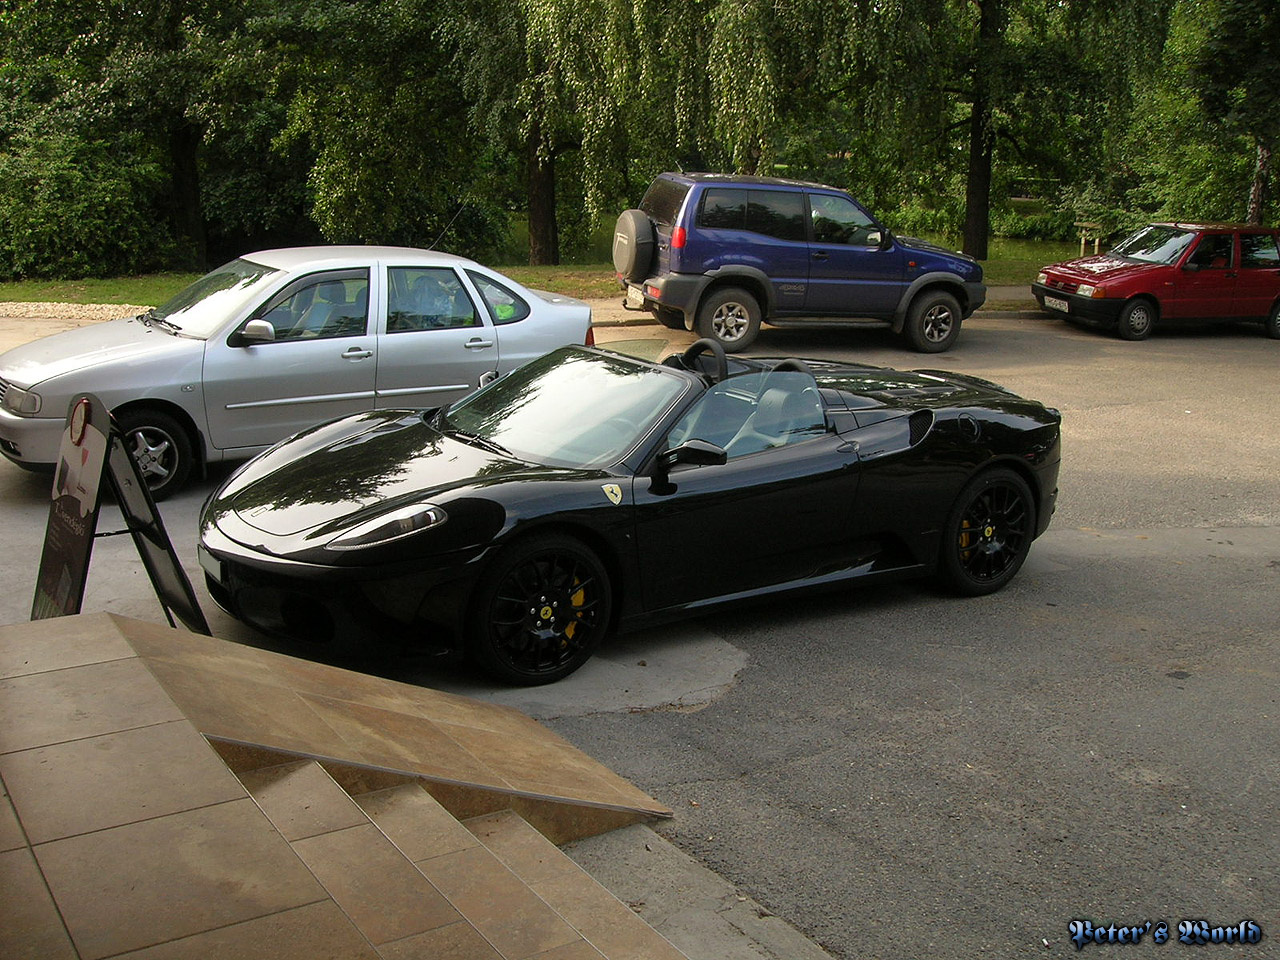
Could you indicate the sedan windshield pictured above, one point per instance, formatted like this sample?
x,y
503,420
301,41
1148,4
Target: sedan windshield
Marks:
x,y
205,305
1158,243
571,408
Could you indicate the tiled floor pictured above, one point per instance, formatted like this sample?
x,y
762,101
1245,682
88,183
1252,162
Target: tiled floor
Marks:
x,y
123,833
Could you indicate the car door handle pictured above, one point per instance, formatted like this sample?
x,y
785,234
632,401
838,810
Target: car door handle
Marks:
x,y
821,255
356,353
475,343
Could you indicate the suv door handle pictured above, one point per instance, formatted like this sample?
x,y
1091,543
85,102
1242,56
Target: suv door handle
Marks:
x,y
821,255
356,353
475,343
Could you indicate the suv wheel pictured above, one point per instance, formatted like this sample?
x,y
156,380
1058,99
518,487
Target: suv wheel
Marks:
x,y
633,241
933,321
731,317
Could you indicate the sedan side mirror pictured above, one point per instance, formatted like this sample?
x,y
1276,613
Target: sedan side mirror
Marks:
x,y
255,331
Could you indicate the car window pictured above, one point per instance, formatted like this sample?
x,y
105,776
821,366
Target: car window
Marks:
x,y
322,307
504,306
663,200
1158,243
215,298
1259,250
427,298
753,413
838,220
723,209
776,213
1214,251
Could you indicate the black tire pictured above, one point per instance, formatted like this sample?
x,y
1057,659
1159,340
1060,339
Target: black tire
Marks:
x,y
541,609
633,244
731,317
1136,319
161,447
988,534
933,321
1272,324
670,318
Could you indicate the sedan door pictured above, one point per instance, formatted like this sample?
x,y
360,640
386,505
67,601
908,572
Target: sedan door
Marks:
x,y
436,345
320,365
777,511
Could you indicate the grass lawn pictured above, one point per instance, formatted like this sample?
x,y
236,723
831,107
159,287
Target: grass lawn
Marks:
x,y
1012,262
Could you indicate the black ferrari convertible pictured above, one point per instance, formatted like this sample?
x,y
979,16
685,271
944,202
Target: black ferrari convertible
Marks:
x,y
588,491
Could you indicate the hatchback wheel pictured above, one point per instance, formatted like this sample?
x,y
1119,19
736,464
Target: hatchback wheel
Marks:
x,y
1136,320
542,608
1272,326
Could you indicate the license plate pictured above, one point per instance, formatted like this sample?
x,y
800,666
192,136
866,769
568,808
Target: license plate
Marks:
x,y
1053,303
635,296
212,565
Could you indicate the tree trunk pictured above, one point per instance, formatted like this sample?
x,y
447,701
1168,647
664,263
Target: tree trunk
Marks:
x,y
977,190
184,173
544,240
1258,190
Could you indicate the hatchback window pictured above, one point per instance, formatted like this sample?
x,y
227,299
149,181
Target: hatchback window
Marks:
x,y
427,298
663,200
1214,251
1158,243
1259,250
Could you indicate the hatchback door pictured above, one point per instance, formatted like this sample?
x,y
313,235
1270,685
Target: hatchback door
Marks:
x,y
1259,285
850,273
321,364
1205,286
436,345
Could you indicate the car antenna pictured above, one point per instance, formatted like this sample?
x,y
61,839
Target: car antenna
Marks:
x,y
461,207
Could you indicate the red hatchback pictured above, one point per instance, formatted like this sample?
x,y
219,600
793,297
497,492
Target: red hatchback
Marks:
x,y
1168,272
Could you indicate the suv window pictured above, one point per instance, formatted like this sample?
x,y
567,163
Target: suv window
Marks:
x,y
837,220
1259,250
663,199
774,213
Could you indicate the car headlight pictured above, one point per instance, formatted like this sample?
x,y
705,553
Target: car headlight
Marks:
x,y
389,526
1042,277
24,402
1089,290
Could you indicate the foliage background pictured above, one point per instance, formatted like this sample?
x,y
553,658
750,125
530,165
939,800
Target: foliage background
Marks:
x,y
183,132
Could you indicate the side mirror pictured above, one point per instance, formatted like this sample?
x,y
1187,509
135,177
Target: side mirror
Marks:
x,y
255,331
875,239
700,453
1191,267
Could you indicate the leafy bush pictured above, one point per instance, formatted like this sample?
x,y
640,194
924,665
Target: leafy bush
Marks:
x,y
73,208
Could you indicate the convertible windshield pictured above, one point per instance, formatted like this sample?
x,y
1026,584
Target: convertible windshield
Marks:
x,y
205,305
571,408
1158,243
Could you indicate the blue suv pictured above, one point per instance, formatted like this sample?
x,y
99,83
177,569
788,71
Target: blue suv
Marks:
x,y
720,254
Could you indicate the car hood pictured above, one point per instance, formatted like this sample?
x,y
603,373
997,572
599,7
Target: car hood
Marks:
x,y
325,478
91,346
915,243
1097,269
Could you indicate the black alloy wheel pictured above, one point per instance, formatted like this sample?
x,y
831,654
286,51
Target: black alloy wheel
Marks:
x,y
542,608
988,534
161,448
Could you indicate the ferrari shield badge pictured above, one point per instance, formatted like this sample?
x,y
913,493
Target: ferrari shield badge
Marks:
x,y
613,492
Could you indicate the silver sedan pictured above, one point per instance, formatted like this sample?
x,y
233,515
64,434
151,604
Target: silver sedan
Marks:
x,y
276,341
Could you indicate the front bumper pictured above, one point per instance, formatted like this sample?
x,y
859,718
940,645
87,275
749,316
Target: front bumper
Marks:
x,y
31,442
975,295
311,603
1103,311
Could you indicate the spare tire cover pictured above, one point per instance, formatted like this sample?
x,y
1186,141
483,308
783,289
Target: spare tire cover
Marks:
x,y
633,241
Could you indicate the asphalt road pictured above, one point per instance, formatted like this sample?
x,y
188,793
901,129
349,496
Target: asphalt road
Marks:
x,y
903,774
